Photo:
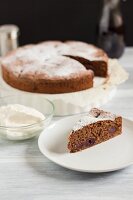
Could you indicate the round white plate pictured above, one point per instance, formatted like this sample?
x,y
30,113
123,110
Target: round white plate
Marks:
x,y
111,155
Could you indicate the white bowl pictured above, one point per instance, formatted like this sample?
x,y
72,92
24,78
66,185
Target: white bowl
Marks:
x,y
41,104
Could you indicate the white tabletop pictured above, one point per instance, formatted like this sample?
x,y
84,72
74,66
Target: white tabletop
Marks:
x,y
25,174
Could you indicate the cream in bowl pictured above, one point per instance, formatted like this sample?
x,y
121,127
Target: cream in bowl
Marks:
x,y
24,117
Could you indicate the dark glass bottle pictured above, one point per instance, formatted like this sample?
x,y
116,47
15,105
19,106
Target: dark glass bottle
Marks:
x,y
111,29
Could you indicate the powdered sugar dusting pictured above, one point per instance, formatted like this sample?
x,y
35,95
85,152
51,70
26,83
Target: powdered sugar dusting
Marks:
x,y
46,50
61,66
58,66
93,118
84,50
47,59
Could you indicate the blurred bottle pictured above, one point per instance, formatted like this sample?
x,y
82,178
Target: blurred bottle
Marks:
x,y
111,29
8,38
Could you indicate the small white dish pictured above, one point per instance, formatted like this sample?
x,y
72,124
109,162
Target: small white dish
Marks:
x,y
114,154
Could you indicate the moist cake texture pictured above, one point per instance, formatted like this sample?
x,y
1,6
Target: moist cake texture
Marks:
x,y
95,127
54,67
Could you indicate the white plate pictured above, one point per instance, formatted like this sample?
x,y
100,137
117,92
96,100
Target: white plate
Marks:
x,y
111,155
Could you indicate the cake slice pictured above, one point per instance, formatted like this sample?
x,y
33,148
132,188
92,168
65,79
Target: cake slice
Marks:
x,y
95,127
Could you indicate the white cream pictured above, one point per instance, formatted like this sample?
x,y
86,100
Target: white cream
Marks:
x,y
16,115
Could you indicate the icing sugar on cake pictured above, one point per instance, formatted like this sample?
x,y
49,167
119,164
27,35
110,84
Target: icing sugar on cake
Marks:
x,y
93,116
61,66
81,47
85,50
57,66
45,50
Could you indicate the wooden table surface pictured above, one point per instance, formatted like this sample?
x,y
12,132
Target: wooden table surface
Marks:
x,y
25,174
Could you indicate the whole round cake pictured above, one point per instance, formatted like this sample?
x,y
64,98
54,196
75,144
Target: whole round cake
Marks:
x,y
54,67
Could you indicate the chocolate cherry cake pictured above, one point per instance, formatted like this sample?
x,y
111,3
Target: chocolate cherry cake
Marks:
x,y
54,67
95,127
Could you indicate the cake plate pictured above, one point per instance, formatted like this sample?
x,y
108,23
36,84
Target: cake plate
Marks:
x,y
79,102
114,154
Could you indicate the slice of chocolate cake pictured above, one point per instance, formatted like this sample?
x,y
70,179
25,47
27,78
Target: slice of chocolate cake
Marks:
x,y
95,127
